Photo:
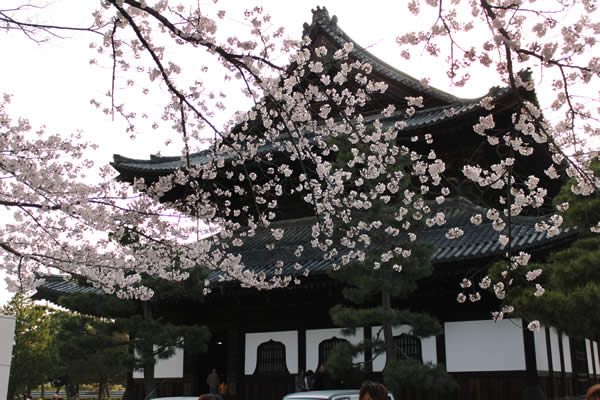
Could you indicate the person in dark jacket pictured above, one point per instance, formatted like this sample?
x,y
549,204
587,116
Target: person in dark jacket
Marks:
x,y
213,381
300,382
310,380
322,379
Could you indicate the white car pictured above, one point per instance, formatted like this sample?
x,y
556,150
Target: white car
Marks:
x,y
340,394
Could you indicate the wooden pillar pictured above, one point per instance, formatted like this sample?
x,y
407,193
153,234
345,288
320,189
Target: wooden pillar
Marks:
x,y
579,365
533,389
552,387
235,360
302,350
440,349
367,332
563,374
242,386
595,357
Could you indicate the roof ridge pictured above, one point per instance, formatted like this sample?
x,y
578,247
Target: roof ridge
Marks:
x,y
329,24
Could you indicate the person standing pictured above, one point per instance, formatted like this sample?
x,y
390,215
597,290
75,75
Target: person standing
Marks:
x,y
319,379
223,390
309,378
301,382
212,380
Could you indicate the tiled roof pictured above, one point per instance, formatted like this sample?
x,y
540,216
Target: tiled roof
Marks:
x,y
478,242
429,117
322,20
424,118
60,285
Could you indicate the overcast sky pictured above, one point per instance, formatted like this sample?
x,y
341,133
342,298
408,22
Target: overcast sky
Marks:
x,y
52,82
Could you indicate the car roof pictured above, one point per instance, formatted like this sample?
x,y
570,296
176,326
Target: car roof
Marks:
x,y
320,394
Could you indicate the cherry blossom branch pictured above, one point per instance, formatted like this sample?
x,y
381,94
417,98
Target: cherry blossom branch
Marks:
x,y
31,29
515,90
185,136
551,61
571,109
114,68
156,59
233,58
28,205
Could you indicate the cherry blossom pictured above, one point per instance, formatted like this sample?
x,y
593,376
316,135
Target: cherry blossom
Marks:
x,y
534,326
543,53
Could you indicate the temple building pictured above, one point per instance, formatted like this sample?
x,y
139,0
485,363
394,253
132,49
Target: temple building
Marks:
x,y
261,340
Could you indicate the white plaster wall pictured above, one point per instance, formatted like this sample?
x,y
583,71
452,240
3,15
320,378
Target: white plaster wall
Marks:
x,y
588,353
171,367
596,360
484,346
428,347
541,352
7,336
567,353
289,340
315,336
555,350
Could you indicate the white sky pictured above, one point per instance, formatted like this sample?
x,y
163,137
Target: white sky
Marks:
x,y
52,83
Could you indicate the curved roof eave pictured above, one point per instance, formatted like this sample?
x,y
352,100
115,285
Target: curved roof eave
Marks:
x,y
424,118
322,20
479,242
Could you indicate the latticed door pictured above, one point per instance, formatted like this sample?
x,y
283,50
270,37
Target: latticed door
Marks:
x,y
271,379
270,359
408,347
325,347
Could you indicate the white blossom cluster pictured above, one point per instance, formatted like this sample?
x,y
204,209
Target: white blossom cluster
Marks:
x,y
510,46
312,131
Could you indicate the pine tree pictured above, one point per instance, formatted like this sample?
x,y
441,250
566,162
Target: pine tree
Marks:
x,y
387,272
34,357
150,335
570,277
91,351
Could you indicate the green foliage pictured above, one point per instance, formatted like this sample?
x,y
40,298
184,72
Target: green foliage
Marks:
x,y
150,337
401,374
340,363
164,336
423,324
128,318
365,282
583,211
358,317
66,348
580,265
91,350
392,266
571,278
34,357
